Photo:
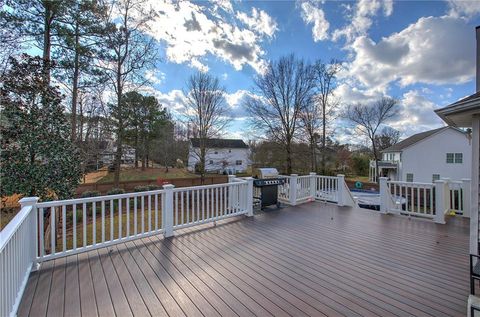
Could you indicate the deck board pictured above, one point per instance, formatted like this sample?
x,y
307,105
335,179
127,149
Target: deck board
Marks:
x,y
309,260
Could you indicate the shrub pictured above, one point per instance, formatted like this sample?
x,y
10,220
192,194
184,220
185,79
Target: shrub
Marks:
x,y
141,188
115,191
90,193
145,188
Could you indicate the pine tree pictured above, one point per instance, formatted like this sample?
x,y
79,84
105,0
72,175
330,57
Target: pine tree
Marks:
x,y
37,157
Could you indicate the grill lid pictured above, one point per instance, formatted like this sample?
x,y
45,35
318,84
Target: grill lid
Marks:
x,y
267,172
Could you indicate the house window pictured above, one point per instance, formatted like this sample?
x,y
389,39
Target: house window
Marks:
x,y
435,177
409,177
455,158
216,152
211,162
459,158
229,151
238,162
450,158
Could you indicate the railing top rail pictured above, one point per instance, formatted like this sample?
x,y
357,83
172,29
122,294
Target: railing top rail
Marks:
x,y
54,203
412,184
12,227
324,176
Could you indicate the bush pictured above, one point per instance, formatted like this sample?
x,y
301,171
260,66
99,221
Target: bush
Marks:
x,y
90,193
115,191
146,188
141,188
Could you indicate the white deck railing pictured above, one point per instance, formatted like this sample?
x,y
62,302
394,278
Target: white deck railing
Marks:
x,y
426,200
48,230
17,256
300,189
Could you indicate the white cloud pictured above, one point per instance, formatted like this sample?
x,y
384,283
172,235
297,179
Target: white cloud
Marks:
x,y
416,114
314,15
361,20
259,22
191,31
235,102
155,76
463,8
433,50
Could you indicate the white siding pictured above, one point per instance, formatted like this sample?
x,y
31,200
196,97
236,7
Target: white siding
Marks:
x,y
220,159
428,157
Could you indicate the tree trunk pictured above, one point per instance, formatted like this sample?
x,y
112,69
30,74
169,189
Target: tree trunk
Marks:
x,y
289,157
75,85
377,171
324,137
47,40
118,154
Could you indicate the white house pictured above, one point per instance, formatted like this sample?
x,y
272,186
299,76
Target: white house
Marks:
x,y
428,156
223,155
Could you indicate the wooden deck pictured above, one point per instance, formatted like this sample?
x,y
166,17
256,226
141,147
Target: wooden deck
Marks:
x,y
314,259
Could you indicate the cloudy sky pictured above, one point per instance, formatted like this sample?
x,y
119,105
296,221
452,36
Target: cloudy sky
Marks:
x,y
422,53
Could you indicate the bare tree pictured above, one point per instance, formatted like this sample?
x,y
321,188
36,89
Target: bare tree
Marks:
x,y
387,138
326,80
369,118
285,89
206,111
129,53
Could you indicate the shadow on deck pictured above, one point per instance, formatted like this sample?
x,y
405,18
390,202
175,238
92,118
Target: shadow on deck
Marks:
x,y
314,259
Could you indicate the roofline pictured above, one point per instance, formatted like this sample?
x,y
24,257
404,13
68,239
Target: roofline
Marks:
x,y
456,108
440,130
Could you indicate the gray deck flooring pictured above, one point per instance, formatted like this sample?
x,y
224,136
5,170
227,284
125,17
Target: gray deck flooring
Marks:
x,y
314,259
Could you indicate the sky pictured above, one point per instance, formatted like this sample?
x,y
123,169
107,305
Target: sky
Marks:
x,y
421,53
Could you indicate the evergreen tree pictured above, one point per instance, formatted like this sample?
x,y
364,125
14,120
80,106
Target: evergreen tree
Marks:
x,y
37,157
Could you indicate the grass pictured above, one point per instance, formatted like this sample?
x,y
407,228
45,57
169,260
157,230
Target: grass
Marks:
x,y
148,174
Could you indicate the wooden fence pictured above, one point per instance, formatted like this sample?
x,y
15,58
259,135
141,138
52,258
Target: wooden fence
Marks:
x,y
129,186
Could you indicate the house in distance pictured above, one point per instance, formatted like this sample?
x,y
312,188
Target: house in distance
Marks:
x,y
427,156
230,156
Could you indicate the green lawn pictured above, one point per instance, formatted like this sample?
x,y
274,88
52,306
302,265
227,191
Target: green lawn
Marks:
x,y
148,174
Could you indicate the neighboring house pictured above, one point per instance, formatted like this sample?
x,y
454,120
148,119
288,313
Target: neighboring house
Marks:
x,y
428,156
107,156
223,155
465,113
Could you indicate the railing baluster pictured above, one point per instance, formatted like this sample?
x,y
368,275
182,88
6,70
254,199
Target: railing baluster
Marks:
x,y
94,223
188,206
156,211
42,232
127,203
149,213
182,208
120,216
111,220
103,220
64,228
53,234
135,215
175,203
74,226
143,213
84,223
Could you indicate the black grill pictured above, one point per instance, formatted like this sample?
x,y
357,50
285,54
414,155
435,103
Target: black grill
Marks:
x,y
268,190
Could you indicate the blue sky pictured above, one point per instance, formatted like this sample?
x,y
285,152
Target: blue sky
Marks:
x,y
422,53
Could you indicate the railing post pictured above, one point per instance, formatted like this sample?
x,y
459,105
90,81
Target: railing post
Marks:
x,y
231,179
441,204
313,185
384,193
249,196
340,190
466,197
167,212
293,189
26,202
